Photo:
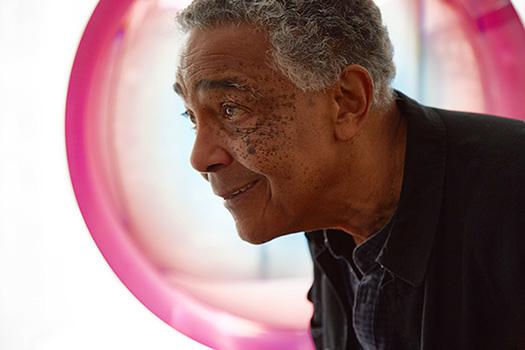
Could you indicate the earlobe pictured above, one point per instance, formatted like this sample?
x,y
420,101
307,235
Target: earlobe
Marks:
x,y
354,98
346,127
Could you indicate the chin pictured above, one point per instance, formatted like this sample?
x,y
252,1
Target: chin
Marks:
x,y
254,237
257,235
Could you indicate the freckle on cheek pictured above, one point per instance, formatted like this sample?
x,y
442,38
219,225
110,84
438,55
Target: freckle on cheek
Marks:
x,y
250,145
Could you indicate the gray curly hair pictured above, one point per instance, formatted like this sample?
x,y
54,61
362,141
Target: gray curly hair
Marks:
x,y
312,40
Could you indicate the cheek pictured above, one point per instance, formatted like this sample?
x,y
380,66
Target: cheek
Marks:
x,y
268,149
272,145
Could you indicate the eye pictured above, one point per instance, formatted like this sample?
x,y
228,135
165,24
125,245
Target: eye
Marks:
x,y
191,118
230,111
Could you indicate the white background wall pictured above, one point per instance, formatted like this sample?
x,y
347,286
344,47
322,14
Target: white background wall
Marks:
x,y
56,290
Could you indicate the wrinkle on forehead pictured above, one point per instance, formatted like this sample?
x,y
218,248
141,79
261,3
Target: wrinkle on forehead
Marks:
x,y
210,67
224,48
235,84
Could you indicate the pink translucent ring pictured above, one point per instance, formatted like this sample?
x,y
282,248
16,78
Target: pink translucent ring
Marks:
x,y
495,33
498,39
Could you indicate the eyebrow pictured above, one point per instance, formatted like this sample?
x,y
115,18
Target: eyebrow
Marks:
x,y
178,89
220,84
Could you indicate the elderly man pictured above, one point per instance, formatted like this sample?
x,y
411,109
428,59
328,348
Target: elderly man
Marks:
x,y
415,216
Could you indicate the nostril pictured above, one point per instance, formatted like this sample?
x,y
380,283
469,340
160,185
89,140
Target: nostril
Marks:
x,y
213,168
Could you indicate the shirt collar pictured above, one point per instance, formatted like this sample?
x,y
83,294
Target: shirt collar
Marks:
x,y
365,256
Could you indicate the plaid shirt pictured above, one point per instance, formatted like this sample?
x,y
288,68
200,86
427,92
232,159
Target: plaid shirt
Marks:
x,y
370,321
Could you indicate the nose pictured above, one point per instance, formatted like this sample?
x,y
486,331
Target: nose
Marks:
x,y
208,154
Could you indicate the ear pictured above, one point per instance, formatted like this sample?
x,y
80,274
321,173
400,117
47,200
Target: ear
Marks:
x,y
354,96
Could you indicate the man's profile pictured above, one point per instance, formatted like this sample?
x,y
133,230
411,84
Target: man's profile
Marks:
x,y
415,216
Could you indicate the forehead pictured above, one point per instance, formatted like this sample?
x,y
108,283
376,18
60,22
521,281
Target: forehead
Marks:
x,y
236,53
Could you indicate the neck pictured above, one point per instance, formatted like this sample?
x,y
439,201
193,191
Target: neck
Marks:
x,y
372,176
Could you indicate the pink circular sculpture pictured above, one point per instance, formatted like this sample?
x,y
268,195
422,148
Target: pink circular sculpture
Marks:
x,y
155,221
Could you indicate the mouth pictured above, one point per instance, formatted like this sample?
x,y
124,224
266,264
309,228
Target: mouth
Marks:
x,y
238,192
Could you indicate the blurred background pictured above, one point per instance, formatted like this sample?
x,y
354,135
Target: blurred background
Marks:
x,y
56,290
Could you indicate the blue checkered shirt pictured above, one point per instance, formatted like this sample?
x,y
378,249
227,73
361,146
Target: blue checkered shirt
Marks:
x,y
367,277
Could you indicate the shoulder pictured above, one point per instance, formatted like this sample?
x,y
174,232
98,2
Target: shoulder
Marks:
x,y
485,187
485,165
485,132
484,204
488,148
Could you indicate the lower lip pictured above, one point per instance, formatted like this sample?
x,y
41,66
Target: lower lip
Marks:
x,y
230,201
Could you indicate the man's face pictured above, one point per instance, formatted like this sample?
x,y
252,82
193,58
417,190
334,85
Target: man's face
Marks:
x,y
265,146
